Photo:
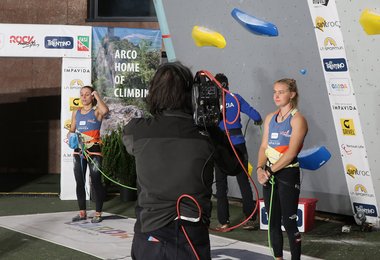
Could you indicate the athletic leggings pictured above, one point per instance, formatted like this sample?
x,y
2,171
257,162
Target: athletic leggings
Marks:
x,y
80,166
244,185
284,207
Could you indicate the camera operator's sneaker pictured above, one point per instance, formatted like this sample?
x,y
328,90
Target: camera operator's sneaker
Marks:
x,y
223,228
250,225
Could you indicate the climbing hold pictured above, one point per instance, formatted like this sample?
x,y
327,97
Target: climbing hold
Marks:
x,y
253,24
370,21
203,36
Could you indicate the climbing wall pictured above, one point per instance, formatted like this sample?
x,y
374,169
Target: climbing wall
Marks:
x,y
254,62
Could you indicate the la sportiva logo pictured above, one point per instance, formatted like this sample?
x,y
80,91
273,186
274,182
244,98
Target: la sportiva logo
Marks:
x,y
83,43
329,44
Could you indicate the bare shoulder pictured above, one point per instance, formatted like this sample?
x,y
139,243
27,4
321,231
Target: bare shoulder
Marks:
x,y
270,115
299,119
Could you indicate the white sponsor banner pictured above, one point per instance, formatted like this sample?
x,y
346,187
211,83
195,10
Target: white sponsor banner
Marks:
x,y
76,73
344,107
31,40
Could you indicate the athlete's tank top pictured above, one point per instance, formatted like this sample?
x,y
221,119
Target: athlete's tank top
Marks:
x,y
279,138
89,127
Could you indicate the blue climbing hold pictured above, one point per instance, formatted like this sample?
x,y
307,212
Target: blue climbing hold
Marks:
x,y
253,24
313,158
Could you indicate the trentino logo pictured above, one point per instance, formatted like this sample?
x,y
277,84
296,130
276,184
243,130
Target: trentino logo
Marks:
x,y
369,210
335,65
83,43
321,2
59,42
348,127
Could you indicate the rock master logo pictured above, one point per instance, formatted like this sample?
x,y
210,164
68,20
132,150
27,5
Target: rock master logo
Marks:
x,y
348,127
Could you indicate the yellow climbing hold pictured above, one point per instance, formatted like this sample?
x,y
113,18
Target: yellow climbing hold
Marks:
x,y
370,21
250,169
203,36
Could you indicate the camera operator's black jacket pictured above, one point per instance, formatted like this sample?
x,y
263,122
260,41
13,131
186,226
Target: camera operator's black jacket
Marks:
x,y
173,157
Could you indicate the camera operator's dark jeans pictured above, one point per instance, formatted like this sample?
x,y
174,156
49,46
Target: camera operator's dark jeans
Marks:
x,y
244,185
169,243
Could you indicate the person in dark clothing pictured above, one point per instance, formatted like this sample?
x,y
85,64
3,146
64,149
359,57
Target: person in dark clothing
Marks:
x,y
174,157
233,103
284,132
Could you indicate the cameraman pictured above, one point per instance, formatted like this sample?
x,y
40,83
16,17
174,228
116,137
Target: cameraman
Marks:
x,y
238,140
173,157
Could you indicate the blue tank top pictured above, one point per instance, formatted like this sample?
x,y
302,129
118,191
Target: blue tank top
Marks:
x,y
89,126
279,137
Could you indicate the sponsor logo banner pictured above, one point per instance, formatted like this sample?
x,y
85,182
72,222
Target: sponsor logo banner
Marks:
x,y
347,126
339,86
369,210
57,42
335,65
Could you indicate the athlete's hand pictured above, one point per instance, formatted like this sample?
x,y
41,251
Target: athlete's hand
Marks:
x,y
95,94
258,122
262,176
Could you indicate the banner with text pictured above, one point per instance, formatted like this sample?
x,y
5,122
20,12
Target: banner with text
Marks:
x,y
123,63
76,73
32,40
344,108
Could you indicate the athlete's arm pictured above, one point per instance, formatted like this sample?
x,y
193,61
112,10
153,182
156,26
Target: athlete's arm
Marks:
x,y
73,123
102,108
262,175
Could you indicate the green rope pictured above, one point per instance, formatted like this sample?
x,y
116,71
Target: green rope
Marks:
x,y
117,183
272,182
87,155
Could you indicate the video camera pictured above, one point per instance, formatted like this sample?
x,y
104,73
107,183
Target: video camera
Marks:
x,y
207,103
